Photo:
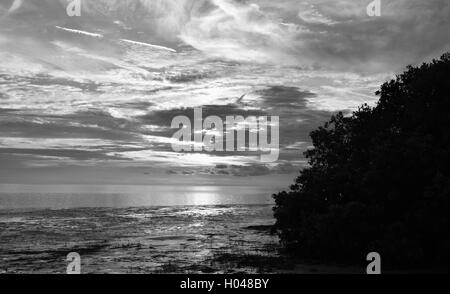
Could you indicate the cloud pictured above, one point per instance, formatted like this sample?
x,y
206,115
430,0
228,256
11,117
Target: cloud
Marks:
x,y
236,31
16,4
70,98
165,117
328,34
255,169
79,155
80,32
193,160
310,14
285,97
148,45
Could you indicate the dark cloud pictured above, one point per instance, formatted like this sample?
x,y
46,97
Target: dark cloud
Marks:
x,y
165,117
407,31
254,169
69,154
84,124
221,166
187,77
285,97
47,80
297,119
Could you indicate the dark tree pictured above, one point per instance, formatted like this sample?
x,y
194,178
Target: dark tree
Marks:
x,y
378,180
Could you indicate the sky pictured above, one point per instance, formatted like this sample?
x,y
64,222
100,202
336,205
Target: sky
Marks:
x,y
89,99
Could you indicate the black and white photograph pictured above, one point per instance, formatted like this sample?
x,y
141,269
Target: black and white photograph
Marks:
x,y
224,137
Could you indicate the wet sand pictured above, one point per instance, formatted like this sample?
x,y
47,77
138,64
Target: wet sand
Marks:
x,y
174,239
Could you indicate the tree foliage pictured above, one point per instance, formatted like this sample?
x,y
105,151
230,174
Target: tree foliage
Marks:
x,y
379,180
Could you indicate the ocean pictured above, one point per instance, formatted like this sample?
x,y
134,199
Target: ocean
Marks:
x,y
153,230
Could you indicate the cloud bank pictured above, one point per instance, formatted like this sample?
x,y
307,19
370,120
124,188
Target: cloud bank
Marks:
x,y
100,90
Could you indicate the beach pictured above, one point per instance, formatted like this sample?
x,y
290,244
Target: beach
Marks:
x,y
175,239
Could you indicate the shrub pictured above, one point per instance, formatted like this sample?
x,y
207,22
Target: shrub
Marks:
x,y
378,180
